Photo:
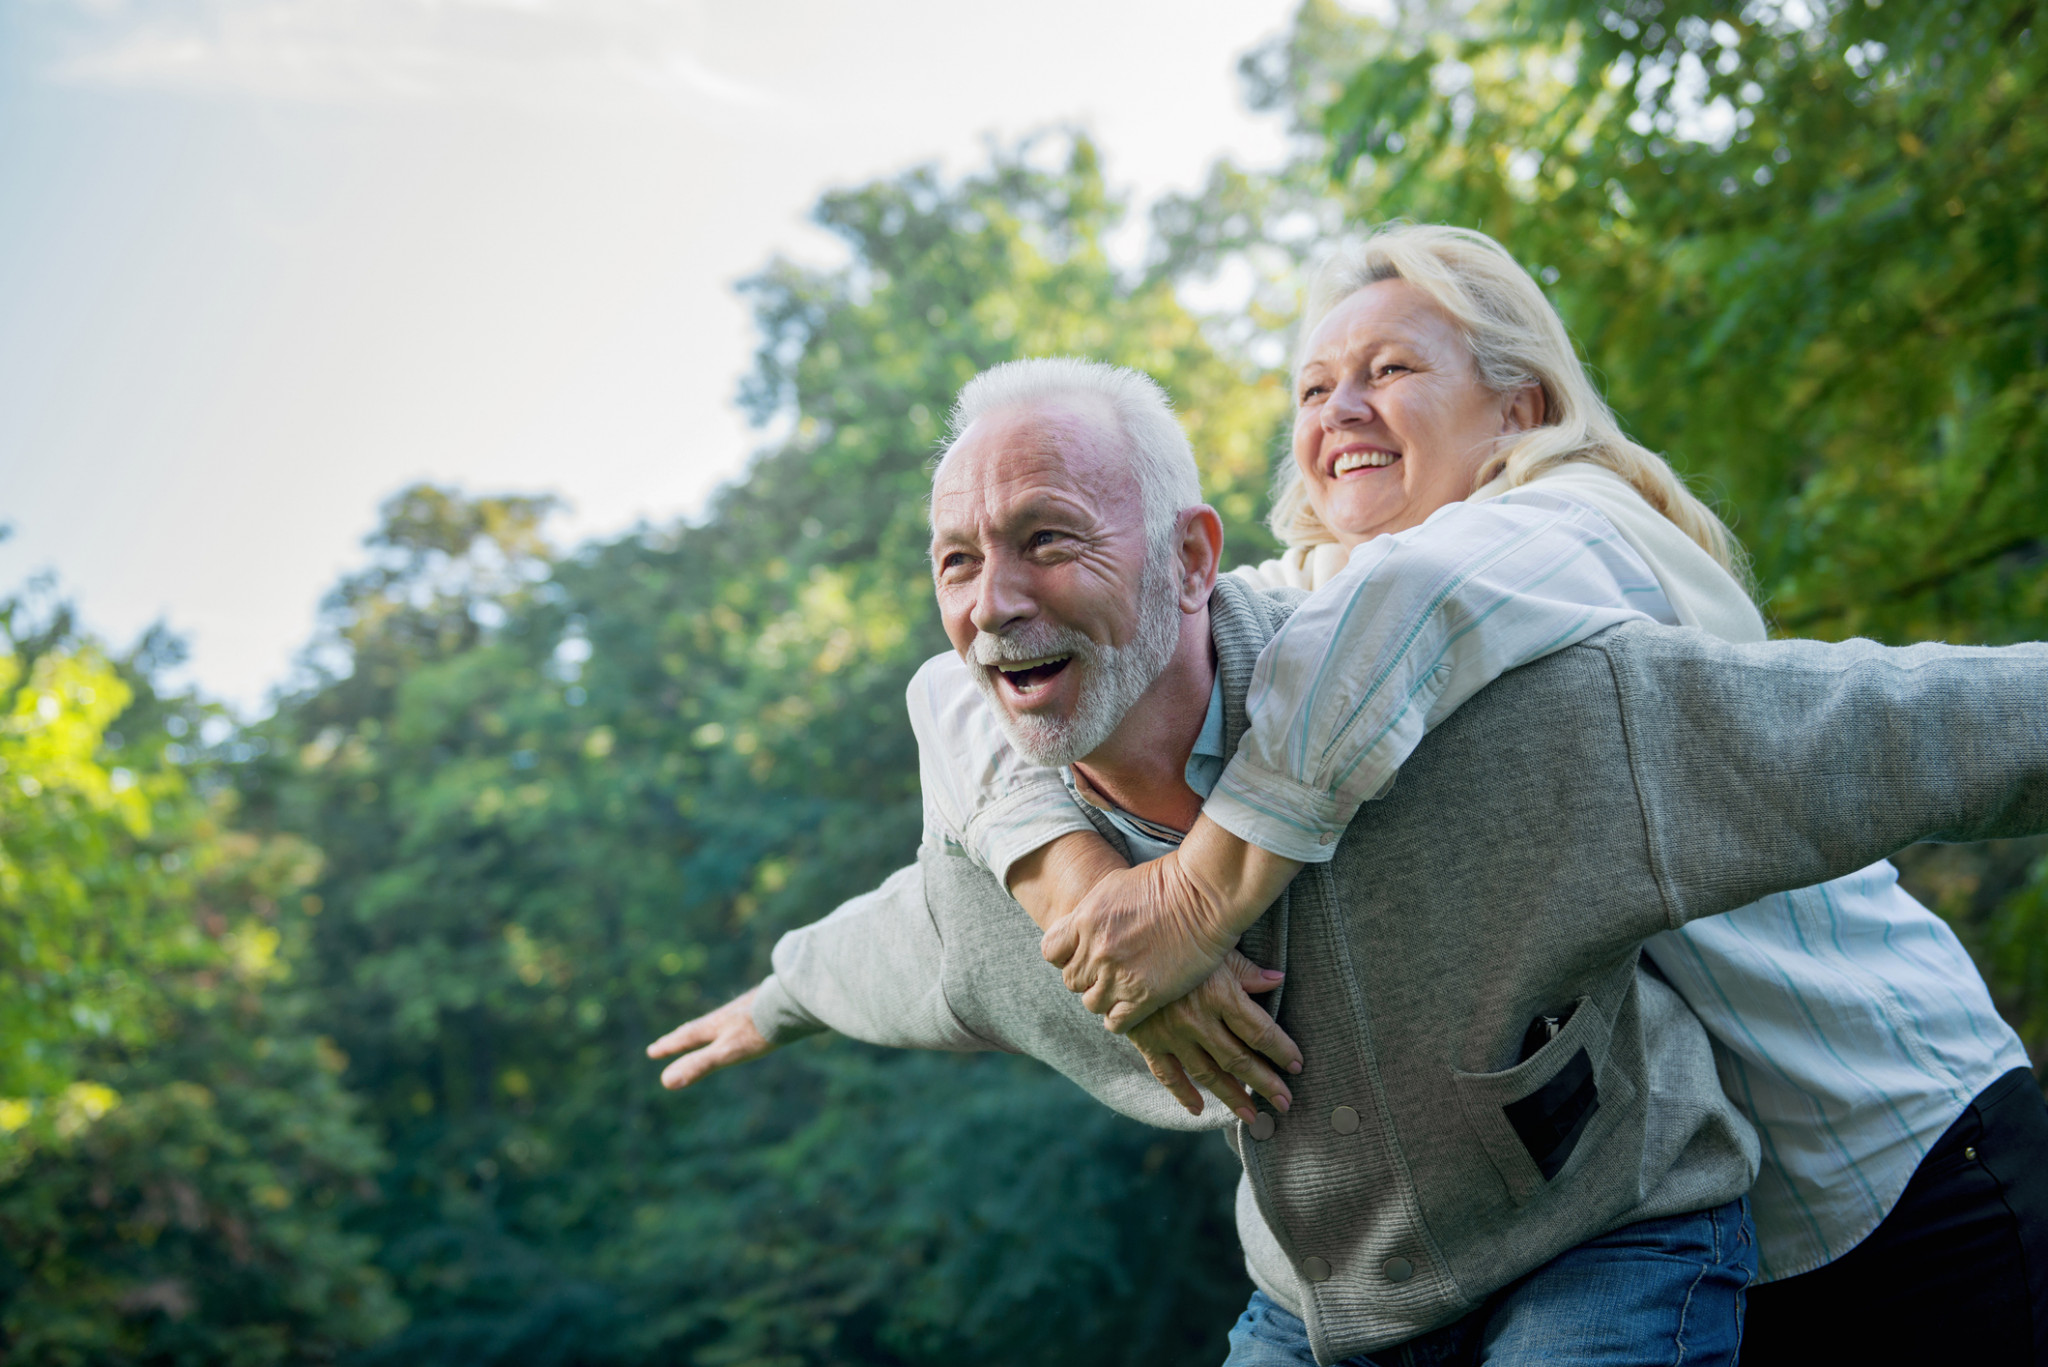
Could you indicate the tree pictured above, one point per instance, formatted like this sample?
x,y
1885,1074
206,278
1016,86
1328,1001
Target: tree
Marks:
x,y
567,802
84,884
174,1146
1805,247
1804,265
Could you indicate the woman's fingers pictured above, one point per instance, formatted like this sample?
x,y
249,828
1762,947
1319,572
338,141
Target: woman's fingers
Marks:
x,y
1204,1069
1125,1016
1249,975
1247,1022
1229,1031
1243,1067
1174,1078
1179,1063
1244,1017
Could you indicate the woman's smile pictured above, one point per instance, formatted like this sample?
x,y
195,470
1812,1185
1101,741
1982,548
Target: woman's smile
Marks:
x,y
1357,459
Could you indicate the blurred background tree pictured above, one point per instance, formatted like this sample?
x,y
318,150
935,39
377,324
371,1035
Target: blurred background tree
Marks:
x,y
366,986
1804,245
567,802
177,1153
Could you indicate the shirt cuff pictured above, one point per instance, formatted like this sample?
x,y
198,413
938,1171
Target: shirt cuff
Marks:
x,y
779,1016
1283,815
1021,821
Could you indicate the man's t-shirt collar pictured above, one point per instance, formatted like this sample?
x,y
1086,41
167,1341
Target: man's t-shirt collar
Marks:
x,y
1149,839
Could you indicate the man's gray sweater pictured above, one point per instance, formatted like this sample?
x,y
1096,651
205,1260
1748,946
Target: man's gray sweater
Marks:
x,y
1567,813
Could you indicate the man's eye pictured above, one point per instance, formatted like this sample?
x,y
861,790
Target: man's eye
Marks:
x,y
953,560
1040,540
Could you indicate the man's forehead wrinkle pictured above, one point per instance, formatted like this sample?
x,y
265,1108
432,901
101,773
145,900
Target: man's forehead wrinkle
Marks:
x,y
1012,497
1032,461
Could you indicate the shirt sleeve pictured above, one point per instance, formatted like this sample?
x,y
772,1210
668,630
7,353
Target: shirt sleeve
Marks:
x,y
1415,624
1789,764
872,971
981,798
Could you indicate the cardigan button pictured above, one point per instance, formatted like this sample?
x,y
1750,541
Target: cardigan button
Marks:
x,y
1344,1120
1398,1269
1327,838
1315,1269
1262,1125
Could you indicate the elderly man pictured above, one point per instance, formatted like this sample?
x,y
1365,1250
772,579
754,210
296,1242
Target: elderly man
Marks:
x,y
1438,1181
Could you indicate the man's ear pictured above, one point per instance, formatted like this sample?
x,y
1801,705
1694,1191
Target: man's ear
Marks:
x,y
1526,409
1201,553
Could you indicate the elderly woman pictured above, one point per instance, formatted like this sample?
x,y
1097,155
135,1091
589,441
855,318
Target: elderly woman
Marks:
x,y
1461,501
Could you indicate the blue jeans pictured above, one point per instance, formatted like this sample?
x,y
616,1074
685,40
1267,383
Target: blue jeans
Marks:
x,y
1664,1292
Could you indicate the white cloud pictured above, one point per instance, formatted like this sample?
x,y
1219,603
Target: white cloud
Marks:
x,y
546,53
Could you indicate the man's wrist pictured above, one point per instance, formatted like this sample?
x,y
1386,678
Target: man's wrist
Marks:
x,y
777,1015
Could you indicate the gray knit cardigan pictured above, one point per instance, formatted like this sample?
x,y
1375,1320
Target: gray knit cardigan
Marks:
x,y
1564,815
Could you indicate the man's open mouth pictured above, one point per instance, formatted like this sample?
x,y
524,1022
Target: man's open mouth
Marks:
x,y
1026,676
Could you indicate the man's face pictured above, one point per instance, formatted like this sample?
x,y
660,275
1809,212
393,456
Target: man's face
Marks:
x,y
1040,559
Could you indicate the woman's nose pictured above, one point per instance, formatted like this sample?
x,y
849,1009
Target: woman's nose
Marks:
x,y
1348,406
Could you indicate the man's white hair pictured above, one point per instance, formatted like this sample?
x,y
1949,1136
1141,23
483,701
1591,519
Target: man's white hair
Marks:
x,y
1154,443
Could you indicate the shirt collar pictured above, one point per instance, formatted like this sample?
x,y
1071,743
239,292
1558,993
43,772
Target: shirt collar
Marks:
x,y
1149,839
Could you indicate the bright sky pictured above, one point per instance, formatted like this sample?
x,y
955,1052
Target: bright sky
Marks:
x,y
263,262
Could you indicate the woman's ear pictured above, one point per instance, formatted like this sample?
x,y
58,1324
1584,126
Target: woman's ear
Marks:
x,y
1526,409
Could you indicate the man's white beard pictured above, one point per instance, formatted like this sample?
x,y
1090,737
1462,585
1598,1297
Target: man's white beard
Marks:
x,y
1113,678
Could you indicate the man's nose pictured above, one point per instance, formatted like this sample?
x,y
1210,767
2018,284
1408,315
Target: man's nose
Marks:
x,y
1002,596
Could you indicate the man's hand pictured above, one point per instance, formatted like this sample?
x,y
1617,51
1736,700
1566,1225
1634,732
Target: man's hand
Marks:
x,y
1214,1036
717,1039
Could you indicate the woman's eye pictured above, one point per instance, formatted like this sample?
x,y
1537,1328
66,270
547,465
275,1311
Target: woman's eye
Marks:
x,y
1390,368
1314,390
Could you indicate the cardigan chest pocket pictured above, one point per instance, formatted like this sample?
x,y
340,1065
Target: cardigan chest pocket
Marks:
x,y
1539,1120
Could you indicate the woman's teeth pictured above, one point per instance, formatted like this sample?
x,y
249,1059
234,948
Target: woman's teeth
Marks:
x,y
1361,460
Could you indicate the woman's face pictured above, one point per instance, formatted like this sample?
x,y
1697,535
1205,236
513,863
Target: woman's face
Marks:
x,y
1394,422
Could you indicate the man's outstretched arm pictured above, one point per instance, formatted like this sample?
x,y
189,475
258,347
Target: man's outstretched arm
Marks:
x,y
1791,763
870,971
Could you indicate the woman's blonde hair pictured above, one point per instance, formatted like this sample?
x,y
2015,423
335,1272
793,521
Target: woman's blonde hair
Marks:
x,y
1516,339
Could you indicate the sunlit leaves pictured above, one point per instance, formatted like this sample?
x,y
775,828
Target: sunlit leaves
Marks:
x,y
1804,246
568,802
90,906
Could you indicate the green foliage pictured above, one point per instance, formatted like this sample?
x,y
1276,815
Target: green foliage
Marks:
x,y
1805,250
84,880
1806,247
530,809
567,803
175,1148
197,1220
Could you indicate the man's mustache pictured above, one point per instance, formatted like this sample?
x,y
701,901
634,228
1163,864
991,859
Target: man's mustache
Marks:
x,y
1033,641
